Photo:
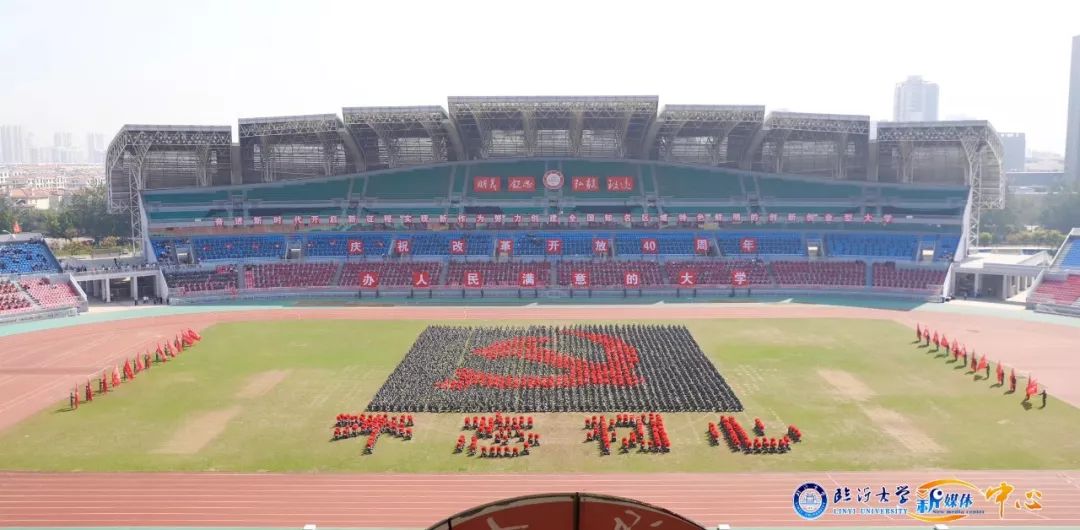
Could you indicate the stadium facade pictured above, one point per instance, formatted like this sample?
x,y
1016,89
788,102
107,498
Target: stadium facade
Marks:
x,y
816,199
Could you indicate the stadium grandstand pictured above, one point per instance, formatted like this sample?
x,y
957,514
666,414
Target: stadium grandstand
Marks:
x,y
594,196
32,284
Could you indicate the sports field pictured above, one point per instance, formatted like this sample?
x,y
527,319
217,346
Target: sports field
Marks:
x,y
262,396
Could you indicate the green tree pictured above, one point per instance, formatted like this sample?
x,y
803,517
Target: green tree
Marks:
x,y
86,212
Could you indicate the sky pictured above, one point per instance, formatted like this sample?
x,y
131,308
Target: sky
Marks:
x,y
86,65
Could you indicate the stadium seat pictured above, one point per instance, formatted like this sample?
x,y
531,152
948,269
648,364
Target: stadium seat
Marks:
x,y
775,187
12,299
1070,255
820,273
611,273
668,244
391,273
425,183
920,278
276,275
337,244
51,295
718,271
898,246
165,249
684,182
27,257
239,247
573,243
1057,292
499,274
438,244
184,198
946,247
301,191
222,278
771,243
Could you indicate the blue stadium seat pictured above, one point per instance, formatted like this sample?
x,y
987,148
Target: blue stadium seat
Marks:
x,y
433,244
574,243
668,244
27,257
1071,259
946,247
774,243
336,244
239,247
896,246
165,249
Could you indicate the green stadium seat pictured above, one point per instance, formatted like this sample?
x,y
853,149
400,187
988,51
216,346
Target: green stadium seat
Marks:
x,y
427,183
690,183
799,189
184,198
302,191
923,194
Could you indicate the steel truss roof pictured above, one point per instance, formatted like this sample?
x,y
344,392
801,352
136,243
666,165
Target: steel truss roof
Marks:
x,y
389,137
578,126
703,134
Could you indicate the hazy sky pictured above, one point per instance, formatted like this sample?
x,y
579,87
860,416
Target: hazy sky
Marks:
x,y
95,65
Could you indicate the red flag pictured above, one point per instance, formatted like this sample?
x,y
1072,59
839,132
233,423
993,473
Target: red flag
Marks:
x,y
104,383
138,363
1032,386
1000,372
75,397
918,332
128,372
15,228
89,392
116,376
176,346
982,363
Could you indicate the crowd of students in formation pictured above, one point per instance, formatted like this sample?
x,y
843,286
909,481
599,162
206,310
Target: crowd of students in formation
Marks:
x,y
119,374
960,354
580,368
647,433
502,433
739,440
372,426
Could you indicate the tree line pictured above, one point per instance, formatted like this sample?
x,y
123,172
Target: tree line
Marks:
x,y
81,214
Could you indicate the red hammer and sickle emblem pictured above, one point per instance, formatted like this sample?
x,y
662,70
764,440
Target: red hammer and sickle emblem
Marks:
x,y
618,368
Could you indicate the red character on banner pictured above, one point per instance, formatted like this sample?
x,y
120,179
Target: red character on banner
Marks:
x,y
369,280
608,218
425,218
748,245
755,217
315,219
388,219
599,246
572,218
700,218
457,246
739,278
421,279
521,184
553,246
333,219
238,221
792,218
527,279
701,246
663,218
887,218
356,247
297,220
462,219
773,217
406,219
369,219
627,218
632,279
868,218
811,217
481,218
620,183
534,218
257,220
351,219
649,246
219,222
828,218
687,278
848,217
505,246
443,218
278,220
736,217
516,218
580,278
553,218
402,246
718,218
646,218
590,218
486,184
682,218
585,183
473,279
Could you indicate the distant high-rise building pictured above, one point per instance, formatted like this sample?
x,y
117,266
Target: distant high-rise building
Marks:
x,y
95,148
1015,145
12,144
915,100
1072,136
62,139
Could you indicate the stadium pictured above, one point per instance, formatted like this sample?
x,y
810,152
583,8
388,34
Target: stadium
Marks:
x,y
534,309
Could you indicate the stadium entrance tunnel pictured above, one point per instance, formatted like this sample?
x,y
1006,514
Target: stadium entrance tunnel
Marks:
x,y
566,511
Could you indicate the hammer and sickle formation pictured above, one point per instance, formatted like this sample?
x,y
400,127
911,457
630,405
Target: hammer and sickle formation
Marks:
x,y
617,369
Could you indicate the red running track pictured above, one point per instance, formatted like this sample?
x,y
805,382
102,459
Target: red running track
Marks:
x,y
414,501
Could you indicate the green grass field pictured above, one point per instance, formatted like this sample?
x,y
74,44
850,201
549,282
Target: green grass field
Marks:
x,y
204,411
